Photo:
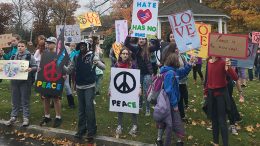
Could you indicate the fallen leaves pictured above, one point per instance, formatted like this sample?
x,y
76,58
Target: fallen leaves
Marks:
x,y
249,128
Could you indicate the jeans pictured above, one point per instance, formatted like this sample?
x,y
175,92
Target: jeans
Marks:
x,y
86,113
146,81
67,86
250,74
21,92
99,79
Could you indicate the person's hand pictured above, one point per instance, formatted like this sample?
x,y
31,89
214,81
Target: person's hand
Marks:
x,y
1,69
130,31
140,92
109,93
64,77
193,59
28,69
38,69
1,52
175,109
30,43
228,63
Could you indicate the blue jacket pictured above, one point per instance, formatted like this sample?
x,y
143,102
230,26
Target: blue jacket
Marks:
x,y
10,54
171,81
74,53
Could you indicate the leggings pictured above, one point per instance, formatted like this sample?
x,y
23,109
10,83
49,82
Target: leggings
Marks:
x,y
196,69
218,117
120,119
183,99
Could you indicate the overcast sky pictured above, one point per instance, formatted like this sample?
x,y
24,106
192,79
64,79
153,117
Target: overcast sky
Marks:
x,y
81,2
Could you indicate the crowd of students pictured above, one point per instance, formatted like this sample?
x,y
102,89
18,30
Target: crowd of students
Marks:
x,y
84,73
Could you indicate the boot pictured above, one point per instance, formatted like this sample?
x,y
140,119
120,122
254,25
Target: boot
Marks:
x,y
70,101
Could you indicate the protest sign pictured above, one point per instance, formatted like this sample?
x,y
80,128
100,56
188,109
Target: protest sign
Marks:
x,y
49,79
61,52
184,31
228,45
71,34
249,62
124,89
121,30
88,19
203,31
117,48
144,18
14,69
5,39
256,38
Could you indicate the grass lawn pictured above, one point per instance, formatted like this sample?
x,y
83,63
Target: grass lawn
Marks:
x,y
196,127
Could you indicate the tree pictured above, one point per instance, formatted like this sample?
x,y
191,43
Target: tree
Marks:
x,y
6,16
41,10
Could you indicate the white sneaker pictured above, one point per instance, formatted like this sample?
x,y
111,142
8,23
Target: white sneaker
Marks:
x,y
25,122
94,102
147,113
233,129
11,121
119,130
133,130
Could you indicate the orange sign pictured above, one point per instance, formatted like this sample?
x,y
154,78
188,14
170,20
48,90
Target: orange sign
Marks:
x,y
117,48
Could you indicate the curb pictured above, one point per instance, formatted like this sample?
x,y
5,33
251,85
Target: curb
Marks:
x,y
62,134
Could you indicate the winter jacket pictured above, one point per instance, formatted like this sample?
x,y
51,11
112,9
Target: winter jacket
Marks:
x,y
171,81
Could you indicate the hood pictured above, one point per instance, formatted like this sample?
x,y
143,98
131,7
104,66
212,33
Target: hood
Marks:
x,y
166,68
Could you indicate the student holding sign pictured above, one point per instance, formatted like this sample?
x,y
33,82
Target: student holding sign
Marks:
x,y
216,92
21,89
142,54
125,61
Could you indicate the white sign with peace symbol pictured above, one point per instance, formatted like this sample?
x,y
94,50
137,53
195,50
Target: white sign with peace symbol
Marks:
x,y
124,90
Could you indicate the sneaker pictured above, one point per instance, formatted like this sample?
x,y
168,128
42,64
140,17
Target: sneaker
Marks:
x,y
119,130
147,113
44,121
133,130
233,129
159,143
97,93
180,143
25,122
94,102
57,123
209,128
11,121
80,134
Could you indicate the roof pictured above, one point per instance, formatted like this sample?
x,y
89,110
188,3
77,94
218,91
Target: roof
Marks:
x,y
197,8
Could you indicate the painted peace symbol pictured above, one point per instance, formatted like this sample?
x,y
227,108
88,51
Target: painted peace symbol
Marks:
x,y
124,87
82,20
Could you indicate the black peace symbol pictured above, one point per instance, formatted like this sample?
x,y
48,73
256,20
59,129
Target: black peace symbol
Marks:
x,y
124,87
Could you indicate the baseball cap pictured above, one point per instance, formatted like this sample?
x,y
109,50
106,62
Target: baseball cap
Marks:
x,y
51,40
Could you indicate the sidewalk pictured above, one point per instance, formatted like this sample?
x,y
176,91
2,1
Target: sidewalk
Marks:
x,y
62,134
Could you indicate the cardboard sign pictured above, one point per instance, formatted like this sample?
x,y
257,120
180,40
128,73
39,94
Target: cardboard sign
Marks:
x,y
14,69
49,79
228,45
117,48
88,19
184,31
4,40
249,62
256,37
203,31
71,34
121,30
144,18
124,89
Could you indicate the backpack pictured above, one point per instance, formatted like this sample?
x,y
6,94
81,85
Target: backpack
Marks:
x,y
162,109
155,88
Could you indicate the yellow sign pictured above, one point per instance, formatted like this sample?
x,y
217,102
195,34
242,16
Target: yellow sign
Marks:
x,y
203,31
89,19
5,39
117,48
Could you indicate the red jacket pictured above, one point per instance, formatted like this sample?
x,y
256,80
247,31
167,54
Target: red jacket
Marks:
x,y
216,75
